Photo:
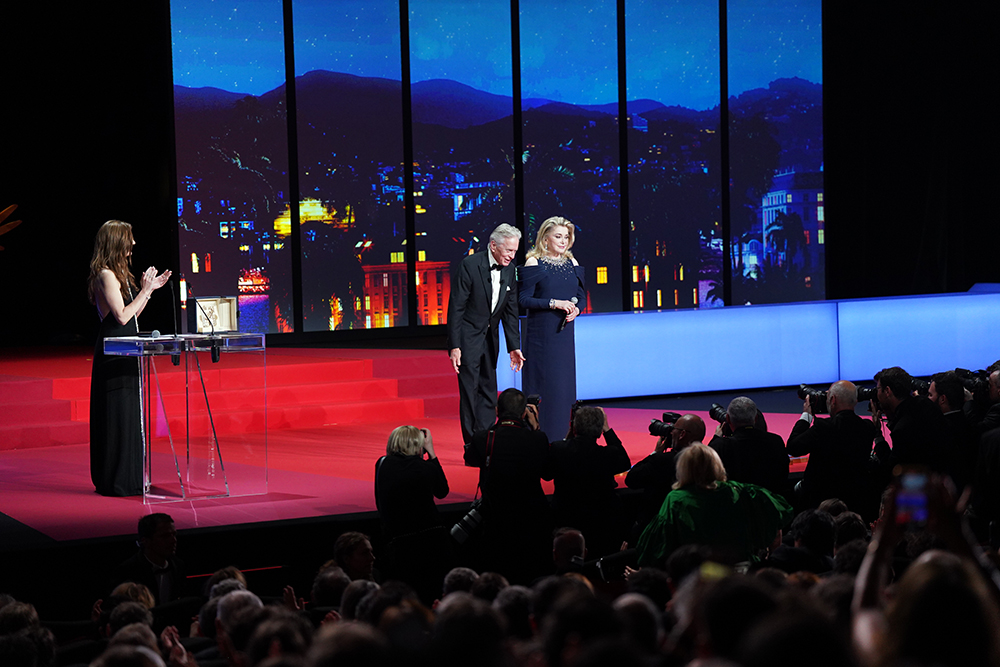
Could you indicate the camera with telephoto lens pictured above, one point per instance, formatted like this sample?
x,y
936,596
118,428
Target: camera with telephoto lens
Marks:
x,y
662,428
469,524
718,413
534,399
977,382
817,399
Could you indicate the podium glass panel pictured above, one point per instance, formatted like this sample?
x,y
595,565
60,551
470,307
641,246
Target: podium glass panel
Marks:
x,y
204,414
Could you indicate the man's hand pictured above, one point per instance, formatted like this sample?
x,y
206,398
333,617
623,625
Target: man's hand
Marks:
x,y
531,416
456,358
516,360
807,405
428,443
661,444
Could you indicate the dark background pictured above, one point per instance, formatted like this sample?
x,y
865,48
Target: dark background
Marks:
x,y
87,136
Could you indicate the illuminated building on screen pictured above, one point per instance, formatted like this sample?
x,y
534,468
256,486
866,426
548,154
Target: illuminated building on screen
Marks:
x,y
385,293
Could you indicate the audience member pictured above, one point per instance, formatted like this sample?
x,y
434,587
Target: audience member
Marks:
x,y
849,526
569,550
814,536
736,519
353,594
459,579
488,585
583,474
155,565
515,604
751,455
353,553
919,435
948,393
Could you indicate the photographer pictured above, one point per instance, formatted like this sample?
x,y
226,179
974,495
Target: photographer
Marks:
x,y
917,426
947,392
513,458
983,411
839,450
418,548
585,488
750,455
655,474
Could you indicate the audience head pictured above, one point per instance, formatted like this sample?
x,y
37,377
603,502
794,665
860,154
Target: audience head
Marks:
x,y
515,603
741,412
128,613
699,466
136,593
942,595
329,586
225,587
129,656
488,585
791,639
405,441
459,579
849,526
641,620
228,573
833,506
653,583
231,604
575,622
814,530
469,631
157,537
684,560
353,552
588,421
550,590
135,634
15,616
353,594
349,645
567,544
729,608
280,632
849,557
511,404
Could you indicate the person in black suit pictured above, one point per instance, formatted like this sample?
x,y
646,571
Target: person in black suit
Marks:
x,y
751,455
483,294
839,450
155,564
919,432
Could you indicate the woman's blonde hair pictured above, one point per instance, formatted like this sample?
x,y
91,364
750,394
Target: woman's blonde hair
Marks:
x,y
112,251
541,247
405,441
136,593
700,466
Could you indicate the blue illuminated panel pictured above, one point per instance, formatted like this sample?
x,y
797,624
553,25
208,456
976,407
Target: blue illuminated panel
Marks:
x,y
922,334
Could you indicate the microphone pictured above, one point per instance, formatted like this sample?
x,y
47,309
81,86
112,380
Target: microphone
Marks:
x,y
216,350
562,323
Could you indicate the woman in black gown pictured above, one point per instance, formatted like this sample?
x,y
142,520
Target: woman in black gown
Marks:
x,y
115,419
550,281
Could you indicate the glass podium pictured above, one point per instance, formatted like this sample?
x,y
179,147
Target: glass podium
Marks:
x,y
204,414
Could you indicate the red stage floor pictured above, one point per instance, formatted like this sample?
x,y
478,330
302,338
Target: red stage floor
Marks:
x,y
318,471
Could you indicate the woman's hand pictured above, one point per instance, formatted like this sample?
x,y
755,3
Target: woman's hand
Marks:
x,y
566,306
428,443
152,282
571,315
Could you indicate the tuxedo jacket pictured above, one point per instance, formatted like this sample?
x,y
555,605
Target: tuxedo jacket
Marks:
x,y
473,326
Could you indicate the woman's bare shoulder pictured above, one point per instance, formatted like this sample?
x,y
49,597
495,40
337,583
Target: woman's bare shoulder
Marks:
x,y
531,261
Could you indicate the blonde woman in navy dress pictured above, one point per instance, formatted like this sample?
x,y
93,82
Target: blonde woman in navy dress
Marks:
x,y
550,280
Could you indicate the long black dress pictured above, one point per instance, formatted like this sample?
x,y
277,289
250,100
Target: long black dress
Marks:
x,y
115,429
550,369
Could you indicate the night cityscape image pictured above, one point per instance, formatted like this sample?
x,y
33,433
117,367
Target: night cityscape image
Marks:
x,y
232,118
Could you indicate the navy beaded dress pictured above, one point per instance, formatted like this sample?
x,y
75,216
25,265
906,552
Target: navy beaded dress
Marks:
x,y
550,366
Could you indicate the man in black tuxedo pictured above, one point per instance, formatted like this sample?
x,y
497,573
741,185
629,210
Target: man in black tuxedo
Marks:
x,y
483,294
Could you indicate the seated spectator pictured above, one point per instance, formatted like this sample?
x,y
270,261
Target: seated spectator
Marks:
x,y
642,622
515,603
328,587
228,573
468,630
569,550
155,565
488,585
349,644
353,552
353,594
834,507
736,519
849,526
814,534
279,633
135,592
418,548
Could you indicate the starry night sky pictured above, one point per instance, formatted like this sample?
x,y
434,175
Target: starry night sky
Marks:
x,y
568,49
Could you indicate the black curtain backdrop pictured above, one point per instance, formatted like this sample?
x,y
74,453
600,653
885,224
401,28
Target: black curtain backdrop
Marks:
x,y
87,136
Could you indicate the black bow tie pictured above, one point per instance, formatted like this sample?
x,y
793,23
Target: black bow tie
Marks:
x,y
495,267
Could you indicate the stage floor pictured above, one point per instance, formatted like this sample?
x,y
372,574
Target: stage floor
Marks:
x,y
47,497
